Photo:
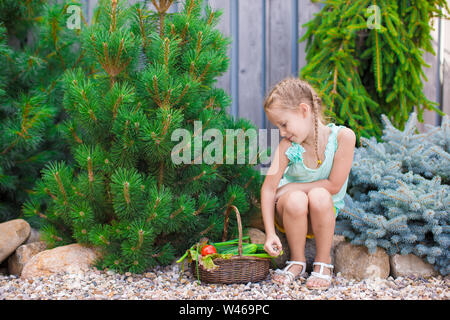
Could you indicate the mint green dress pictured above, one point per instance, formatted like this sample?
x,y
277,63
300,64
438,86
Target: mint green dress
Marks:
x,y
296,170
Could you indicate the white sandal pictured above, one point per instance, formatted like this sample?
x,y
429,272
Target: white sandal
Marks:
x,y
289,274
322,276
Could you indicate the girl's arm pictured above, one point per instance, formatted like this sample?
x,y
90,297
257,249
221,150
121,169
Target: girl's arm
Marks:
x,y
270,185
342,163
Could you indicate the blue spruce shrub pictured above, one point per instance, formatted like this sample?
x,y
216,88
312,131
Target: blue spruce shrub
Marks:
x,y
399,195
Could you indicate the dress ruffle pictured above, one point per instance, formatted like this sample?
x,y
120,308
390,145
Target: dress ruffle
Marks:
x,y
295,153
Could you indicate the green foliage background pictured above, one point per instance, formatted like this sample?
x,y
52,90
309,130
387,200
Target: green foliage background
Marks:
x,y
152,73
362,73
36,48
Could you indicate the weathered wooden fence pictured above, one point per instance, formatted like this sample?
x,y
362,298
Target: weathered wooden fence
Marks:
x,y
265,49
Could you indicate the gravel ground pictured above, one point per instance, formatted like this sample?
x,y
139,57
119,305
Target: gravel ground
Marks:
x,y
164,283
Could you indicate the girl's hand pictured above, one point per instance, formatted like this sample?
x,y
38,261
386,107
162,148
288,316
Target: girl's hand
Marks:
x,y
273,245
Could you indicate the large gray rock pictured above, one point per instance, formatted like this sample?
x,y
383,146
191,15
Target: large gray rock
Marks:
x,y
310,251
256,235
355,262
35,236
256,221
12,234
22,255
73,258
407,265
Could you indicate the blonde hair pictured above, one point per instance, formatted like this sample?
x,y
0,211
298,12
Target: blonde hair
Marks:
x,y
289,93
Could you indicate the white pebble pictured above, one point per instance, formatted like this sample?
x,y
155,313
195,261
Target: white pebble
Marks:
x,y
164,283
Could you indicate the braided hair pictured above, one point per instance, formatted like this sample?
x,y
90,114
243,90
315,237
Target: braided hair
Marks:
x,y
289,93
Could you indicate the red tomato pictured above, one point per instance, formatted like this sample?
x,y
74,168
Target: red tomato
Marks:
x,y
209,249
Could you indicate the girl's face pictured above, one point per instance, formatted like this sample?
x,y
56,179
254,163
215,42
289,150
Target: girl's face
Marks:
x,y
294,125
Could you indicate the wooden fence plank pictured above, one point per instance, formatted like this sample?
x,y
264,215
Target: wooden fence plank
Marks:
x,y
306,11
278,43
91,6
259,70
250,61
430,87
445,43
234,24
224,26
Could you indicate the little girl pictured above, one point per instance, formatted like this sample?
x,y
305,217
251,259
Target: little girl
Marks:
x,y
305,185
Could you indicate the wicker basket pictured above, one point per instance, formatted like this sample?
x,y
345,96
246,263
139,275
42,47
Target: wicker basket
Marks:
x,y
237,269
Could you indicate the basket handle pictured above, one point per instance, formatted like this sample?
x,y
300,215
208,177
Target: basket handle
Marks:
x,y
225,226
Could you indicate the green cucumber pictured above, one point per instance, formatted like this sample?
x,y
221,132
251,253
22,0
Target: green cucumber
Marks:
x,y
246,249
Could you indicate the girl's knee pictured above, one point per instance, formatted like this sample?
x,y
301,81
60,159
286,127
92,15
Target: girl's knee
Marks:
x,y
296,203
319,199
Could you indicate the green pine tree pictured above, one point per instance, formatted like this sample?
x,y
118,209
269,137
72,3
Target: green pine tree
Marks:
x,y
35,49
365,58
154,73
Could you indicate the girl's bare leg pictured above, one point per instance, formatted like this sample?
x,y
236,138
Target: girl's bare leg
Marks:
x,y
292,212
323,221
